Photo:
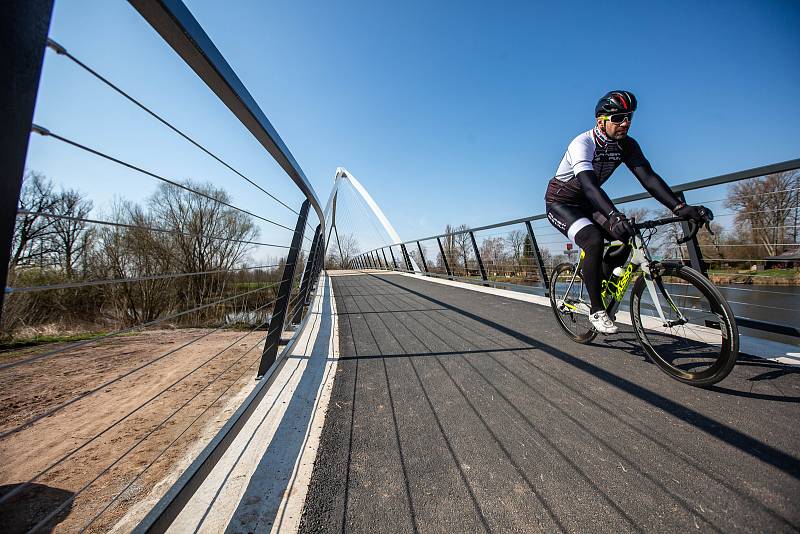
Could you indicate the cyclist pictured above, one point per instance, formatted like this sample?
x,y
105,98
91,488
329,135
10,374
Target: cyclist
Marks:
x,y
579,208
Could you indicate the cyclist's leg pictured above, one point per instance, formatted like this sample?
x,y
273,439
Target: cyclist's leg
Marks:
x,y
590,239
574,221
615,255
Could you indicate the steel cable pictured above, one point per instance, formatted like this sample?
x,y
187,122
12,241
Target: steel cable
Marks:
x,y
60,50
130,329
88,283
20,487
135,445
85,394
47,133
148,228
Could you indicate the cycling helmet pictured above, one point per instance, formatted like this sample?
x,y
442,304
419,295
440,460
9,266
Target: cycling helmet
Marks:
x,y
615,102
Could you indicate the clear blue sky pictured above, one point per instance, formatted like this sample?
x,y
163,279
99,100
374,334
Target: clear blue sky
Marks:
x,y
452,112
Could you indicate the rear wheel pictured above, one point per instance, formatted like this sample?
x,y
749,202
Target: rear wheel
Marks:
x,y
699,345
570,303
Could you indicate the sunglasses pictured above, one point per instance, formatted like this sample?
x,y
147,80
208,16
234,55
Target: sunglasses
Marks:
x,y
618,118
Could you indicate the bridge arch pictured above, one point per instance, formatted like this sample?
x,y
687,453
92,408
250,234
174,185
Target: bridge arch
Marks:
x,y
343,176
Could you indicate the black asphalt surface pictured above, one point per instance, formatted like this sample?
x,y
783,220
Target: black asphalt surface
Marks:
x,y
459,411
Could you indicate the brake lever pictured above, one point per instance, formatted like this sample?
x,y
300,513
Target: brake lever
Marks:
x,y
693,228
708,227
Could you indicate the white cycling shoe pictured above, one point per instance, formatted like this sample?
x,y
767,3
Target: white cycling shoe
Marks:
x,y
602,323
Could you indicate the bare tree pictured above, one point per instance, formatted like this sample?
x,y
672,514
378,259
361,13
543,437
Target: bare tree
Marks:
x,y
449,247
516,242
492,251
208,235
765,209
31,243
71,234
343,251
463,243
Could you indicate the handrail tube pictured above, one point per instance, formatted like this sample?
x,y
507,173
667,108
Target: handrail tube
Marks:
x,y
789,165
178,27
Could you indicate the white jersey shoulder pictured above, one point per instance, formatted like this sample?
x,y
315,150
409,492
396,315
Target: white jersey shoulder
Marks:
x,y
578,157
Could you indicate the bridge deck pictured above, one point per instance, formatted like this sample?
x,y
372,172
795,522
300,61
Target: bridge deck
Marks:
x,y
459,411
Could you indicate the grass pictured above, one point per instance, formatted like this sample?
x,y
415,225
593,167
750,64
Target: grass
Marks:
x,y
44,340
773,273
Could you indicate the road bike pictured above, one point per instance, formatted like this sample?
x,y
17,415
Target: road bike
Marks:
x,y
680,318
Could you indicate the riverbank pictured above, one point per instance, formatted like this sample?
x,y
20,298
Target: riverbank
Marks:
x,y
776,277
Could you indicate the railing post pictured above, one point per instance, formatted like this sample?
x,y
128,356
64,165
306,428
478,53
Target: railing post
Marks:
x,y
284,290
383,251
478,257
537,256
422,256
394,261
370,261
693,247
444,258
23,38
305,282
406,257
376,259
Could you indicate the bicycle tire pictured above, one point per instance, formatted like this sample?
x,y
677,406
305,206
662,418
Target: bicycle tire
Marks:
x,y
693,344
567,321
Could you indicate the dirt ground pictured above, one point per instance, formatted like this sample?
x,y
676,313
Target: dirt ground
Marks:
x,y
101,439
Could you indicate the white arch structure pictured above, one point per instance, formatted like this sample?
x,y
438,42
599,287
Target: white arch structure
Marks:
x,y
343,175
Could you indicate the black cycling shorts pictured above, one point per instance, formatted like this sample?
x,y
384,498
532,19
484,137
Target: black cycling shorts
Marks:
x,y
569,219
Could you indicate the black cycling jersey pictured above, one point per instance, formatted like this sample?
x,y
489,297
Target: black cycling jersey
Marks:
x,y
589,161
579,208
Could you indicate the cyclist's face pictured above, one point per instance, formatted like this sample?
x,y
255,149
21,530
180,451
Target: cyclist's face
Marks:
x,y
613,130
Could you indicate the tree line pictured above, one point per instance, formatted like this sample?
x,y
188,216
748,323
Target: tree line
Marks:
x,y
176,251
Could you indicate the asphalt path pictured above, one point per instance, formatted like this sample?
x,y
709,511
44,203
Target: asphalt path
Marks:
x,y
459,411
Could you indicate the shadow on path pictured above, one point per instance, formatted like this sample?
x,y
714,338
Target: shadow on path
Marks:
x,y
747,444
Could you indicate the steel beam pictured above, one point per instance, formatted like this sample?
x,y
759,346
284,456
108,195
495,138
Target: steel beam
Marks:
x,y
383,251
23,38
307,274
422,256
281,306
693,246
478,257
444,259
537,256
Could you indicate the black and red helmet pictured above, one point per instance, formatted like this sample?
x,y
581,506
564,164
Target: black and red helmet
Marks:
x,y
615,102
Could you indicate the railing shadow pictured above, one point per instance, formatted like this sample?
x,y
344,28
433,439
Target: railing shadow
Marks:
x,y
259,505
747,444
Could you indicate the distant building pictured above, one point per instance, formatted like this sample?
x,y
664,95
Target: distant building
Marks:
x,y
786,260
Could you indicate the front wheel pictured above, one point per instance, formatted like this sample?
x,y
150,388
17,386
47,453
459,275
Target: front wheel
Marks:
x,y
570,303
697,341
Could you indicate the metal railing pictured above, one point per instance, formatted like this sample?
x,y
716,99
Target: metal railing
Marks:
x,y
471,267
24,30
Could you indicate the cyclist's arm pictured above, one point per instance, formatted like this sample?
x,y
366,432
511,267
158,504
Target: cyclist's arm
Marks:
x,y
591,188
652,182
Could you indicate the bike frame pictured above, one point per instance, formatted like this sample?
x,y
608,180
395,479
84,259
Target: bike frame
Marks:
x,y
638,260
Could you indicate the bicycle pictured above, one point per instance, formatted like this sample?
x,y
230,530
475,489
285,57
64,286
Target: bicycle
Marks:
x,y
680,318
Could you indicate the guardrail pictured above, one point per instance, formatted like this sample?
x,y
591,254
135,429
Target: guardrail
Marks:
x,y
469,265
24,31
